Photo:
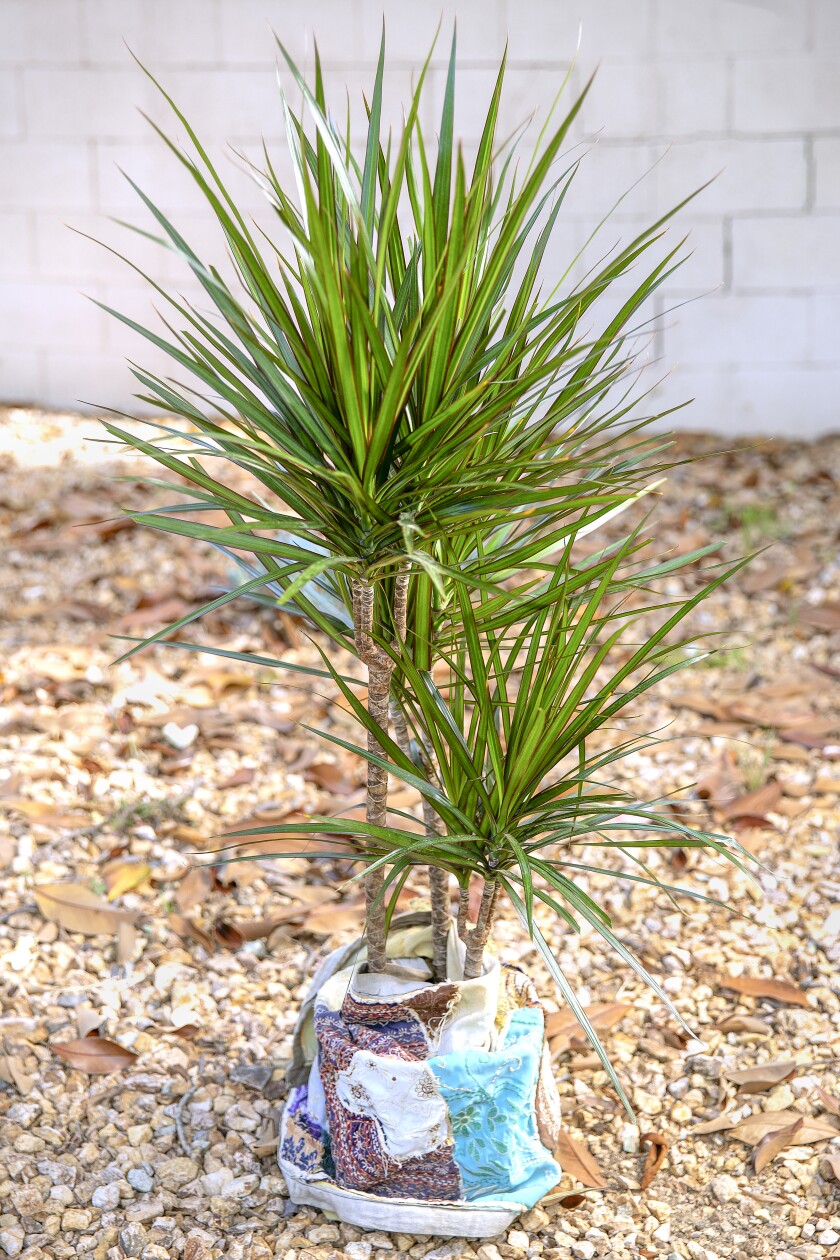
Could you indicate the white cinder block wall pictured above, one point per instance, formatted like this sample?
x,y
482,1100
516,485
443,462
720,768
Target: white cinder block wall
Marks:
x,y
685,89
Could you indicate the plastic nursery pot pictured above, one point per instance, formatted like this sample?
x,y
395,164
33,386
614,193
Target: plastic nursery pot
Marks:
x,y
416,1107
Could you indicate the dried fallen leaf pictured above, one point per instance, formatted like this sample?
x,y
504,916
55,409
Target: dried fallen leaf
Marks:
x,y
744,1023
327,919
188,930
76,908
824,616
755,1080
658,1147
753,1128
171,608
95,1055
240,778
577,1161
830,1103
562,1028
717,1124
234,935
189,835
331,777
566,1199
756,803
772,1144
833,1162
814,736
122,877
782,991
11,1071
45,813
267,1140
194,888
751,822
126,941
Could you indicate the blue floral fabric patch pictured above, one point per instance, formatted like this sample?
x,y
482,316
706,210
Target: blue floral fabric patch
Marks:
x,y
490,1096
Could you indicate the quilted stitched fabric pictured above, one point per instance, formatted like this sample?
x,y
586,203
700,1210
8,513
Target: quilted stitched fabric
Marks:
x,y
419,1091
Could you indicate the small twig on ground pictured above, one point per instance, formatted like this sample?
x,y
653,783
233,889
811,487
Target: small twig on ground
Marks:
x,y
179,1120
4,918
179,1110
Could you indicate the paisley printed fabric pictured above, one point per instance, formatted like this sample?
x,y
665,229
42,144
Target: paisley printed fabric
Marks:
x,y
421,1091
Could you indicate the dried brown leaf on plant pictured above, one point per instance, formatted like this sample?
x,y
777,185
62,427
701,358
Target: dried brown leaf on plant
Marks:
x,y
658,1147
772,1144
76,908
577,1161
95,1055
782,991
755,1080
753,1128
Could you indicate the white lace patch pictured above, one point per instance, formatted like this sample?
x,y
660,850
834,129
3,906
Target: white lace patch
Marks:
x,y
402,1097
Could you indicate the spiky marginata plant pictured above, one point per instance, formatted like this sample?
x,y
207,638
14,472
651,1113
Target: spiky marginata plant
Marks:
x,y
429,437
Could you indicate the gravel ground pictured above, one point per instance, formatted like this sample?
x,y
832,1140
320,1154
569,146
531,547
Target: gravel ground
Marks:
x,y
113,776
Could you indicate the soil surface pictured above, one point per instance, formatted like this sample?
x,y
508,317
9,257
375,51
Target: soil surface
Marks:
x,y
118,777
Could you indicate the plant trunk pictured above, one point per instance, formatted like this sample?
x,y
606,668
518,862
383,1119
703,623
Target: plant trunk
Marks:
x,y
380,667
439,889
438,880
477,938
463,911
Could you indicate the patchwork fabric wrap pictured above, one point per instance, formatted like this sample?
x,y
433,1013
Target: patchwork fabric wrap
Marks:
x,y
420,1107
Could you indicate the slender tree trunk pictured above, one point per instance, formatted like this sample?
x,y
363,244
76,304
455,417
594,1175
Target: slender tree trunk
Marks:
x,y
463,911
438,879
477,938
380,668
439,888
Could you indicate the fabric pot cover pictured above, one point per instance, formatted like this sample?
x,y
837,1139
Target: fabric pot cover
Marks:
x,y
418,1107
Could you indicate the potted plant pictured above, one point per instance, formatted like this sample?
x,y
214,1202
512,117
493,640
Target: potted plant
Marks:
x,y
419,441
